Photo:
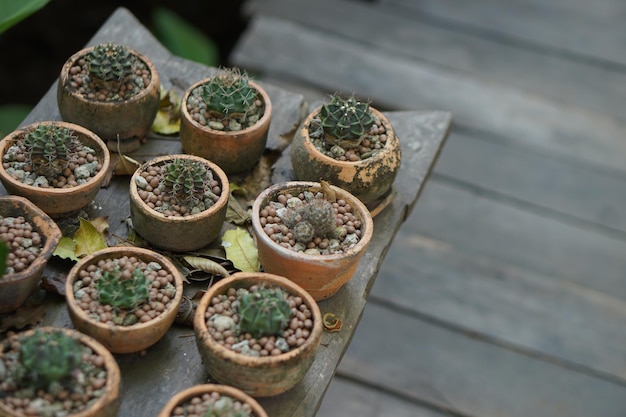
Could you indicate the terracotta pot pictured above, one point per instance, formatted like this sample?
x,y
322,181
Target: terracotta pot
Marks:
x,y
258,376
321,275
178,233
107,405
58,202
234,151
200,390
17,287
124,339
369,179
130,120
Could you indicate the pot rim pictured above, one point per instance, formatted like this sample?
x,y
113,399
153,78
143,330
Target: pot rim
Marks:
x,y
160,160
92,140
71,61
145,255
271,191
242,277
391,137
267,113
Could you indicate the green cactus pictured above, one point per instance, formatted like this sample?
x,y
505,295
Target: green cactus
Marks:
x,y
186,180
111,62
225,407
345,121
49,357
229,93
122,292
263,312
49,149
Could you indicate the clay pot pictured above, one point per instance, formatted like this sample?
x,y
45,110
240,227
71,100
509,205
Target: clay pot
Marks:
x,y
258,376
107,405
17,287
234,151
123,125
321,275
179,233
369,179
58,202
199,390
124,339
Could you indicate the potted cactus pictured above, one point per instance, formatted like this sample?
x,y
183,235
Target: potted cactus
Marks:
x,y
30,237
124,297
312,233
57,165
52,371
112,90
225,118
179,202
258,332
350,144
212,400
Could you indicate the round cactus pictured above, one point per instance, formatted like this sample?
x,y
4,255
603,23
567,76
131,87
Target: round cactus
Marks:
x,y
111,62
321,215
263,312
225,407
49,149
186,180
228,93
345,121
123,292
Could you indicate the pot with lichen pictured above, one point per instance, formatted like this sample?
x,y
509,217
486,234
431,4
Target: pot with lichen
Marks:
x,y
350,144
113,90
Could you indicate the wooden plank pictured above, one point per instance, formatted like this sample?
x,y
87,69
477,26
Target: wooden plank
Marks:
x,y
545,317
510,234
582,30
510,114
557,187
410,34
462,375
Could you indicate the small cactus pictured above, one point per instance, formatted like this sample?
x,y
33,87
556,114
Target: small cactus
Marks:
x,y
49,149
186,180
263,312
49,357
345,121
123,292
110,62
228,93
225,407
316,218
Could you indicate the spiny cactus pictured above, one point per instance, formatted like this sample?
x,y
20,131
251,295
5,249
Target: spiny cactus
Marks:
x,y
49,357
225,407
263,312
186,180
123,292
229,93
111,62
345,121
49,149
316,218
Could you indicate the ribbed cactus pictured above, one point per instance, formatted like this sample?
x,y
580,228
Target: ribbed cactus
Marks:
x,y
225,407
263,312
316,218
123,292
228,92
111,62
49,357
49,147
345,121
186,180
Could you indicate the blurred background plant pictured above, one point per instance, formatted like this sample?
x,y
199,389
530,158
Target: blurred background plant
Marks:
x,y
37,36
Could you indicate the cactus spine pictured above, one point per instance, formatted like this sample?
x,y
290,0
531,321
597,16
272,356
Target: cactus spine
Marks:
x,y
186,180
345,121
111,62
263,312
123,292
49,149
228,93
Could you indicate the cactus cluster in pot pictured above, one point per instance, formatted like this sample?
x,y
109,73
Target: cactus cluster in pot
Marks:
x,y
110,65
345,122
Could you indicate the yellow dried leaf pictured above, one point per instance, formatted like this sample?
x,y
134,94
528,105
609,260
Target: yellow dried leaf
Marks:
x,y
241,250
207,265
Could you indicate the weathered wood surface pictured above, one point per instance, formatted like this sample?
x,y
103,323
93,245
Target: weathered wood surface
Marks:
x,y
503,293
174,363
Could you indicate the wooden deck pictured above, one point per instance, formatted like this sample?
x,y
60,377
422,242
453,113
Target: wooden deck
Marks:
x,y
504,294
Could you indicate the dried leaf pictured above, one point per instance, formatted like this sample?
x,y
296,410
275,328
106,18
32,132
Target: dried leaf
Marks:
x,y
329,193
87,239
66,249
207,265
331,322
27,315
235,213
101,224
125,165
241,250
167,120
54,283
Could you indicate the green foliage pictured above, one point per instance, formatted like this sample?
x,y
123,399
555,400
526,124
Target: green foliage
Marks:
x,y
263,312
11,115
123,292
14,11
345,121
49,357
111,62
224,407
186,180
49,148
229,92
